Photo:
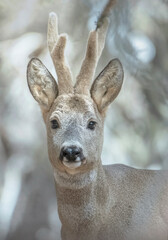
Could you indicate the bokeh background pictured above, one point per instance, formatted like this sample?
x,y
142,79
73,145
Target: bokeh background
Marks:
x,y
136,129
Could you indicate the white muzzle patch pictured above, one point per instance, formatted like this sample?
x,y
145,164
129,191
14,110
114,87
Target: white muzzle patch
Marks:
x,y
72,165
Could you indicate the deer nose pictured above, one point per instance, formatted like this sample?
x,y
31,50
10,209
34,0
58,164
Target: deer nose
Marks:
x,y
71,153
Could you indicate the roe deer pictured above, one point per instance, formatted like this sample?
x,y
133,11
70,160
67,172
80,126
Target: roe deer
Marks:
x,y
95,202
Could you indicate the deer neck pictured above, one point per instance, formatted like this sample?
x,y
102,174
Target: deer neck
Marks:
x,y
80,198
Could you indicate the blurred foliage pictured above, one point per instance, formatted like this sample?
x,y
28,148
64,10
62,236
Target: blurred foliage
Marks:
x,y
137,123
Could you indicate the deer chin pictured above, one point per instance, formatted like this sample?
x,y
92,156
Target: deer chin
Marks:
x,y
72,165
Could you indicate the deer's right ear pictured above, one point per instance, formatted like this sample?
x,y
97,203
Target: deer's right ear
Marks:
x,y
41,83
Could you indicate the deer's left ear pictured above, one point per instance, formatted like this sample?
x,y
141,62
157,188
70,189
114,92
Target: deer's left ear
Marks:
x,y
107,85
41,83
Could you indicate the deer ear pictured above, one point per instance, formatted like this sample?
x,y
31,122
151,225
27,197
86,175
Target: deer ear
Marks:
x,y
41,83
107,85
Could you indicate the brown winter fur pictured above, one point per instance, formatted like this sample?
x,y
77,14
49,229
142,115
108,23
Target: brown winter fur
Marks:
x,y
95,202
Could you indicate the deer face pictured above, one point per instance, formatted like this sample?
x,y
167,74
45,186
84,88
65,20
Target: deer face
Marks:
x,y
74,115
74,129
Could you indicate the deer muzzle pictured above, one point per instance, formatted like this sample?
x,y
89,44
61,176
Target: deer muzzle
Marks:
x,y
72,156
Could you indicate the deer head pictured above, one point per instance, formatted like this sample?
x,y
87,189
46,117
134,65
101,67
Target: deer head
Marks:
x,y
74,115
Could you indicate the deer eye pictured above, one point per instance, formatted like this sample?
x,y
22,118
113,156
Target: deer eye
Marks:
x,y
54,124
91,125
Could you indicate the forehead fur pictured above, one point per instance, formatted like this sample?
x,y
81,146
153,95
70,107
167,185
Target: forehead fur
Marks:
x,y
73,103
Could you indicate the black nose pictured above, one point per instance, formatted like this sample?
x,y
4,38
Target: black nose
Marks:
x,y
71,153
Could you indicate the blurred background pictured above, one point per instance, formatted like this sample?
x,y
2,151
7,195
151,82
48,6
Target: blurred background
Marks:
x,y
136,129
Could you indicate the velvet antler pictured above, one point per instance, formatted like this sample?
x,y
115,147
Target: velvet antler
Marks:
x,y
56,45
95,46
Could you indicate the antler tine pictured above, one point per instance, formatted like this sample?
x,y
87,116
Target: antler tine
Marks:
x,y
102,31
52,33
63,72
56,45
102,25
96,43
88,66
94,50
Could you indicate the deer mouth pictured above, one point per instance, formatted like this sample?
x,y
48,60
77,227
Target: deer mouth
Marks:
x,y
73,164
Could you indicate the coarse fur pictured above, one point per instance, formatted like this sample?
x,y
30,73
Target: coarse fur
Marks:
x,y
95,202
